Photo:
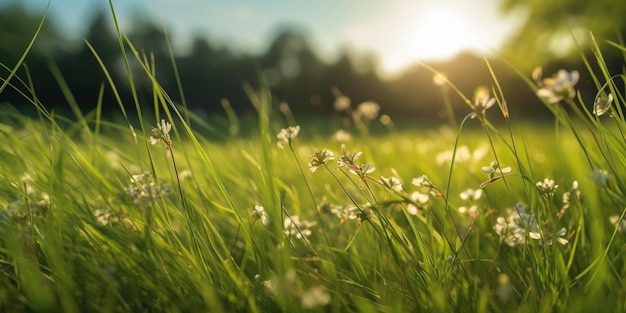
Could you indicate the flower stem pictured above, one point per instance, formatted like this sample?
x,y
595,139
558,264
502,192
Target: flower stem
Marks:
x,y
308,186
449,110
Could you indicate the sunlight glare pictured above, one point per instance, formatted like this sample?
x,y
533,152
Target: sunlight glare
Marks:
x,y
436,33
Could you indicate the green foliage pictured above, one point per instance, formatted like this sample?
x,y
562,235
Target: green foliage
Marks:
x,y
558,30
154,215
15,22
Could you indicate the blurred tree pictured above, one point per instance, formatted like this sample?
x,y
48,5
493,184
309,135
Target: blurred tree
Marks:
x,y
554,29
293,70
209,74
17,28
81,70
148,37
149,41
357,79
291,67
290,57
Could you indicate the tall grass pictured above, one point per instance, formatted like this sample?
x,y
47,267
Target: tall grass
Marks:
x,y
132,216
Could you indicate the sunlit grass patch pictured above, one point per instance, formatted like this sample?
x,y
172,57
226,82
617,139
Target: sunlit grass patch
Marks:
x,y
154,214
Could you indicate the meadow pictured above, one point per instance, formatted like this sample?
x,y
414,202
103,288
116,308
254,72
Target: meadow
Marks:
x,y
170,213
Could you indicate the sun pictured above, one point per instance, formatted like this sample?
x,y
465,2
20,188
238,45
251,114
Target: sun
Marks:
x,y
441,34
436,33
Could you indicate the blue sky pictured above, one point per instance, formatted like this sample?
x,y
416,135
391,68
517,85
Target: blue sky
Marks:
x,y
400,32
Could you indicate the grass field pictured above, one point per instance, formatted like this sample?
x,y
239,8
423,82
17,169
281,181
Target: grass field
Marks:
x,y
157,215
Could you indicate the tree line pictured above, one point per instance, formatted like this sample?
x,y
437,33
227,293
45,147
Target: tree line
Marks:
x,y
211,74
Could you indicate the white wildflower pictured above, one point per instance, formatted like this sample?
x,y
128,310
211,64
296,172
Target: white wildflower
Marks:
x,y
392,183
368,110
342,136
619,223
260,214
514,228
494,168
573,195
320,158
545,238
420,201
314,297
294,227
546,187
143,189
342,103
287,136
472,210
347,212
471,194
161,133
26,178
599,177
422,181
185,174
105,217
559,86
462,154
482,102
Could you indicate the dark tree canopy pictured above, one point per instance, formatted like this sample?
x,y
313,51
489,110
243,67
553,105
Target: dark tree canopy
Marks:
x,y
550,27
290,66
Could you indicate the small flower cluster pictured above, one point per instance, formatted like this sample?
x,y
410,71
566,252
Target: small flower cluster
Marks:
x,y
392,183
367,110
546,187
482,102
161,133
314,297
514,227
546,238
495,168
310,298
571,197
342,103
519,223
342,136
418,201
422,181
421,197
143,189
558,87
320,158
29,203
106,217
600,177
461,154
346,212
286,136
348,160
364,113
618,222
260,214
471,196
300,229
